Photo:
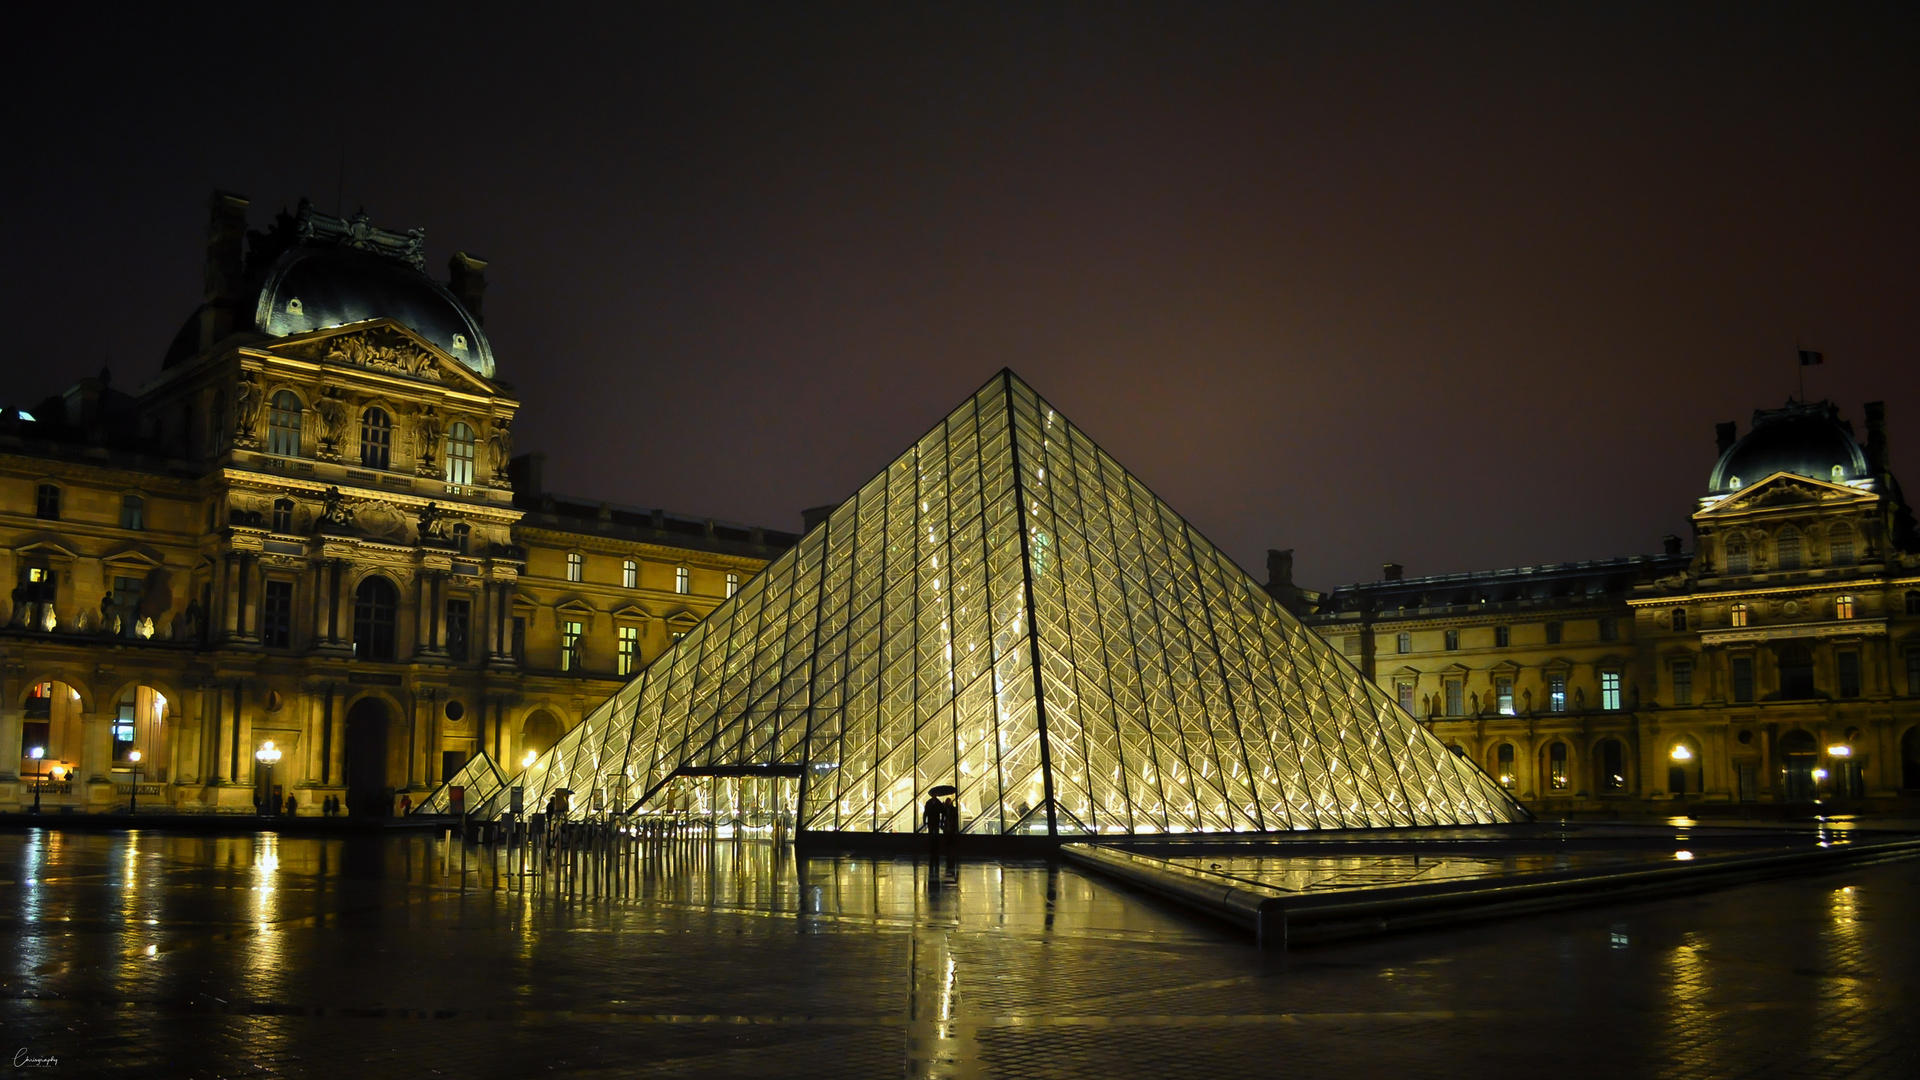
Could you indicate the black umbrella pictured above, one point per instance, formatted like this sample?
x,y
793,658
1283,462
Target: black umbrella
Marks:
x,y
944,789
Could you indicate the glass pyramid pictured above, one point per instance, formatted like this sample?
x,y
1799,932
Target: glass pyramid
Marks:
x,y
481,784
1007,610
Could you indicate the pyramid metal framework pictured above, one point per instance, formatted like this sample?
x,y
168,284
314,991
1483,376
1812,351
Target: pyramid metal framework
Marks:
x,y
1006,609
480,782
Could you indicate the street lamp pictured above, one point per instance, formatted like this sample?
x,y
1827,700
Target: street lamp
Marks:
x,y
39,773
133,793
267,755
527,761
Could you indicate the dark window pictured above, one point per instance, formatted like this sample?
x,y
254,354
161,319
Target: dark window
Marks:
x,y
376,439
1456,706
459,627
463,538
1404,642
46,502
1609,629
133,512
1503,764
1787,548
283,425
283,515
1613,765
1742,678
1453,639
1501,637
375,609
1553,633
1913,672
520,638
1679,618
1557,766
1849,665
1840,546
276,615
1796,670
1737,561
126,603
1913,603
1683,682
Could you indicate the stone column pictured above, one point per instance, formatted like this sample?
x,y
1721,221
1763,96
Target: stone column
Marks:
x,y
249,594
12,720
96,756
318,576
244,769
336,717
436,606
230,595
313,730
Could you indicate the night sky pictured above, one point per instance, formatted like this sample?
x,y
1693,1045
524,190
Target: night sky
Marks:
x,y
1457,286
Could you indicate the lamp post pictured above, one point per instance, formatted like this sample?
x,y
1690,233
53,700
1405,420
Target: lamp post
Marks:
x,y
267,755
39,773
133,793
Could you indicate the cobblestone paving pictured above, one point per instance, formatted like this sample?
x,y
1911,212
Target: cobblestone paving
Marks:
x,y
154,955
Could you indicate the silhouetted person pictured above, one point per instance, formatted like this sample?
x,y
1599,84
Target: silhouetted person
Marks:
x,y
292,807
406,805
935,813
950,822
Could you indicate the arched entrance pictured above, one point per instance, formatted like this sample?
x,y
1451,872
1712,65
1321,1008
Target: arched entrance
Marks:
x,y
538,735
1800,756
367,792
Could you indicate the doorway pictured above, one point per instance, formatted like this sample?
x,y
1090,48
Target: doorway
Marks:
x,y
366,766
1800,755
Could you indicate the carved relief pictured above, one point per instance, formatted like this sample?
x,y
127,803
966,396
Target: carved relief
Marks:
x,y
500,446
247,401
381,349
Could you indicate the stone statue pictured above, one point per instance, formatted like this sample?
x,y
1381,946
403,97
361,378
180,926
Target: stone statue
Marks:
x,y
500,446
246,405
334,510
426,434
333,417
432,523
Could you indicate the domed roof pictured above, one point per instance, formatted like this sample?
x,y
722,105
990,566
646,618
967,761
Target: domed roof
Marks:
x,y
311,288
1806,439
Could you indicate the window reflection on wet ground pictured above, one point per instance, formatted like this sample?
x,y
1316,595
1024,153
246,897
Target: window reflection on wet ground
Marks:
x,y
151,954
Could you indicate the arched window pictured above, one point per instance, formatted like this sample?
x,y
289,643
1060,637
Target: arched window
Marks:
x,y
1613,765
1737,615
283,515
1503,764
682,580
460,454
1557,766
463,538
1737,561
1843,608
576,566
1787,546
283,425
630,574
376,438
1840,545
376,607
1679,618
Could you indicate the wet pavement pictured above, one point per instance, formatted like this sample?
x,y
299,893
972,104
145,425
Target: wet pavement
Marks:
x,y
154,954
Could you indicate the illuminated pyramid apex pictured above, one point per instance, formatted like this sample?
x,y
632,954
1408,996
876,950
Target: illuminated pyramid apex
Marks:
x,y
1006,609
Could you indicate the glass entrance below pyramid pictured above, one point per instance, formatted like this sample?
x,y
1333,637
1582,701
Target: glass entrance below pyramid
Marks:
x,y
1006,610
743,807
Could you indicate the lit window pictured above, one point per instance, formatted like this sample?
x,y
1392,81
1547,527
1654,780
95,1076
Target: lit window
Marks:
x,y
460,443
1610,690
1787,547
283,515
733,584
576,566
1557,766
376,439
1453,639
629,649
46,503
283,425
1502,637
1553,633
1843,608
1404,643
1405,690
133,512
1679,618
1503,695
682,580
1556,693
630,574
570,634
1503,764
1683,682
1737,615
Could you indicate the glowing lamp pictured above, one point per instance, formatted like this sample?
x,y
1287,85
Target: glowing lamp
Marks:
x,y
268,753
527,761
37,753
1819,774
133,756
1840,750
1681,753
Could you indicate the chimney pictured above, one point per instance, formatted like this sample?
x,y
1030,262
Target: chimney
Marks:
x,y
1725,434
83,401
815,515
1670,544
1279,569
1392,571
468,282
226,266
1877,438
524,473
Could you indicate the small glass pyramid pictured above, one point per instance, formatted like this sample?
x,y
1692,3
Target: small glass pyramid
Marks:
x,y
1007,610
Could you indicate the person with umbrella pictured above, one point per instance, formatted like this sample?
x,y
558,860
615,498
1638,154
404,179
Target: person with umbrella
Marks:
x,y
936,814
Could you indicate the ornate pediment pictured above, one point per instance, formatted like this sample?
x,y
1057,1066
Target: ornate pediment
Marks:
x,y
1782,490
385,346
